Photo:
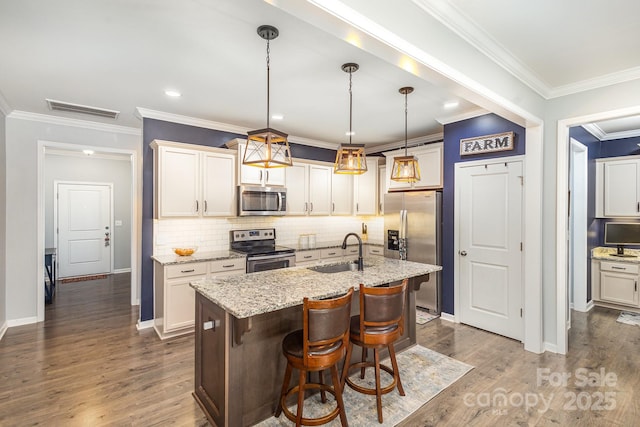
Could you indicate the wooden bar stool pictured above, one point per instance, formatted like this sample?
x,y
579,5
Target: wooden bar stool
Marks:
x,y
320,344
379,325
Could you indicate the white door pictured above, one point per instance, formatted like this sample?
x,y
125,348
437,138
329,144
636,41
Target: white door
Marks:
x,y
489,212
84,229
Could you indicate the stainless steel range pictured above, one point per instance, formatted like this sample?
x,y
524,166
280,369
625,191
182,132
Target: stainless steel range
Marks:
x,y
262,252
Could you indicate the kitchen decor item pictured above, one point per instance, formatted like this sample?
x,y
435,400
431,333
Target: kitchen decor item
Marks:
x,y
405,168
267,148
312,241
303,241
350,158
412,231
185,250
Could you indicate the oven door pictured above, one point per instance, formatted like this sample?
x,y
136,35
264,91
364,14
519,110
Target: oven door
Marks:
x,y
270,262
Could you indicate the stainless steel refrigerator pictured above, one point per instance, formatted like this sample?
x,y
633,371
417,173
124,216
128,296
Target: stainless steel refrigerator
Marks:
x,y
412,231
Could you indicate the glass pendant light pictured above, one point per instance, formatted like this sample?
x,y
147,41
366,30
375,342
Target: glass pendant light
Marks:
x,y
405,168
267,148
350,158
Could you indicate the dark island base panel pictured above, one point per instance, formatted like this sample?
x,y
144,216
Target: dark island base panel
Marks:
x,y
238,384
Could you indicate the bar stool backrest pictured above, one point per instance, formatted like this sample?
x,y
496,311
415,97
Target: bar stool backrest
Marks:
x,y
382,309
325,329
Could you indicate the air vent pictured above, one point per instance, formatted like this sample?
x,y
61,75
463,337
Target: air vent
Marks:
x,y
84,109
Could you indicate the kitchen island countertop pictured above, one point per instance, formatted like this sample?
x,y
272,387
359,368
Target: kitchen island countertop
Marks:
x,y
196,257
258,293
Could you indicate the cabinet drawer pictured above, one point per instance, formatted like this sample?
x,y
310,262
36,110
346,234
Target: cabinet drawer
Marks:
x,y
228,265
619,267
184,270
304,256
351,250
330,253
376,250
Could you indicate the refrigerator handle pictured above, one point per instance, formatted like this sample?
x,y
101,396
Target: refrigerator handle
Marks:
x,y
403,224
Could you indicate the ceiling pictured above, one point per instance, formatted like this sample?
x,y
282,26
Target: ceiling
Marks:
x,y
124,54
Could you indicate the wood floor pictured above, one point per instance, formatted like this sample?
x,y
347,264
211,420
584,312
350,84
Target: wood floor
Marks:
x,y
88,365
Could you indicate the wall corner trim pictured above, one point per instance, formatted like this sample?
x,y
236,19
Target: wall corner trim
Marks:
x,y
146,324
448,317
3,329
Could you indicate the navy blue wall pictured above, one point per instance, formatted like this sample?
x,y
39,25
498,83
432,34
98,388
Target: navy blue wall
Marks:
x,y
453,133
158,129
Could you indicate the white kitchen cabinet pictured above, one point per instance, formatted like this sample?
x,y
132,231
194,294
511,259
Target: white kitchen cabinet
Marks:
x,y
365,190
341,194
254,175
174,298
308,189
430,161
615,283
375,250
618,187
307,257
193,181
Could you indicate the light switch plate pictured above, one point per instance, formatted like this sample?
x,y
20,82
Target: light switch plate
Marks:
x,y
118,223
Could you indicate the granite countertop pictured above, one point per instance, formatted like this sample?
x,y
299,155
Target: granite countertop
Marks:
x,y
197,257
257,293
608,254
336,244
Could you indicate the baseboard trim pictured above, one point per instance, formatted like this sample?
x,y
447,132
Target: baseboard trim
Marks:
x,y
448,317
23,321
550,347
3,329
121,270
144,324
587,307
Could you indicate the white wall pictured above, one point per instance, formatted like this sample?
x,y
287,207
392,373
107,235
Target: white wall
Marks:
x,y
23,131
3,226
61,167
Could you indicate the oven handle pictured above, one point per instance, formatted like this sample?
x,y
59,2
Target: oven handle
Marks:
x,y
258,258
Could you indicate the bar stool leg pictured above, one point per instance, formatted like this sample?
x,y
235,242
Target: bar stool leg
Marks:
x,y
345,367
396,372
364,359
338,390
301,383
285,388
376,358
323,394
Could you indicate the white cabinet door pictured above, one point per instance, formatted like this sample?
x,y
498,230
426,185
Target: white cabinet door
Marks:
x,y
254,175
218,185
180,307
319,190
430,163
275,176
366,190
620,192
297,189
619,288
179,182
341,194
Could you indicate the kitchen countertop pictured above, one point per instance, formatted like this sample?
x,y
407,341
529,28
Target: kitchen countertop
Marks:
x,y
196,257
607,254
258,293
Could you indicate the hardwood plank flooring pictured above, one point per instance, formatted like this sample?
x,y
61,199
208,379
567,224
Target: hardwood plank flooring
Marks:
x,y
88,365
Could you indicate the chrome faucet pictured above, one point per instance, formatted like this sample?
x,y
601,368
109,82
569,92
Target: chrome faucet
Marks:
x,y
344,246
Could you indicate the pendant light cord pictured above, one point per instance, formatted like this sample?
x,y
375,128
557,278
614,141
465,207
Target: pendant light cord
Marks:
x,y
350,107
268,92
405,123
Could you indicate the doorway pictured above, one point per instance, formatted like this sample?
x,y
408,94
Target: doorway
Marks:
x,y
488,229
577,234
83,215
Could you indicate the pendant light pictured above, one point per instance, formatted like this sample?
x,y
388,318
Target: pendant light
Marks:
x,y
267,148
405,168
350,158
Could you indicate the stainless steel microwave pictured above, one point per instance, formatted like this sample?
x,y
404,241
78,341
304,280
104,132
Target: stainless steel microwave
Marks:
x,y
261,200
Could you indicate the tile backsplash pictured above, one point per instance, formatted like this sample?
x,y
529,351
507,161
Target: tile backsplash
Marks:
x,y
212,234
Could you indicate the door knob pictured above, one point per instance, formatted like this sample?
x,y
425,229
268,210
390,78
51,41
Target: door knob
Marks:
x,y
463,253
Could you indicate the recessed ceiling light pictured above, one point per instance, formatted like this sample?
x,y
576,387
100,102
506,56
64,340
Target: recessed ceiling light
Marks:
x,y
277,117
88,152
349,133
451,104
172,93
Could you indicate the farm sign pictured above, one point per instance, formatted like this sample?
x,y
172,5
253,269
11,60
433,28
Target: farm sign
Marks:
x,y
487,144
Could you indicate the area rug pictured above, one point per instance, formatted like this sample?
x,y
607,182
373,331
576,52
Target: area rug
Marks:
x,y
629,318
424,375
423,316
83,278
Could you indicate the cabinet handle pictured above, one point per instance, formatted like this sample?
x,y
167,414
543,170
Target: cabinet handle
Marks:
x,y
307,256
260,176
188,271
357,207
267,178
197,206
635,286
380,207
333,206
206,208
638,207
311,207
228,266
305,206
332,253
613,267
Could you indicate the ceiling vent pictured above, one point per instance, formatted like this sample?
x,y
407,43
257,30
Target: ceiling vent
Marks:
x,y
84,109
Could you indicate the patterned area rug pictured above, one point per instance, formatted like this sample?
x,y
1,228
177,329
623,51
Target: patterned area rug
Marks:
x,y
424,375
423,316
629,318
83,278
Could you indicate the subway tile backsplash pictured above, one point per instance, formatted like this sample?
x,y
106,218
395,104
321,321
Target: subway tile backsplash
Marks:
x,y
212,234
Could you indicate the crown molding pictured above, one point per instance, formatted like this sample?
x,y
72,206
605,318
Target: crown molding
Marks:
x,y
4,105
601,135
413,142
313,142
65,121
597,82
462,116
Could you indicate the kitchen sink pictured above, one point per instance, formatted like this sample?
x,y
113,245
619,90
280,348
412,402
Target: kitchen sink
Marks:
x,y
336,268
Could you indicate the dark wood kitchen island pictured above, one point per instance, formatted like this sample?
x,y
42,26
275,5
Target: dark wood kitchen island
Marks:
x,y
241,320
